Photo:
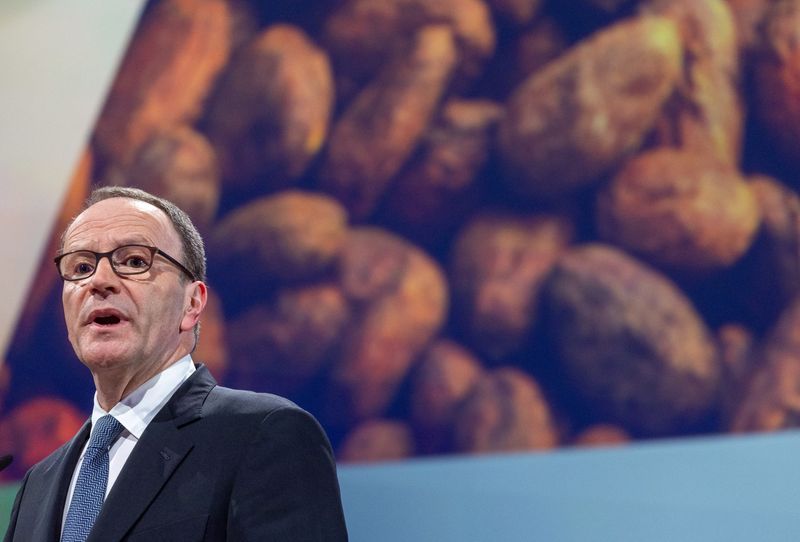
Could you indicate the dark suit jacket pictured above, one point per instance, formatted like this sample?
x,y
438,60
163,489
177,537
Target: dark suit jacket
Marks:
x,y
214,464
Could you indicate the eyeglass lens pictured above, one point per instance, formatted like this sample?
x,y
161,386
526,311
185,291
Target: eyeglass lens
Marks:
x,y
125,260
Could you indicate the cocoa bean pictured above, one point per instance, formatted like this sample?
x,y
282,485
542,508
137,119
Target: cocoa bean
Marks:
x,y
379,130
291,235
704,113
771,400
518,12
280,347
439,186
498,264
678,209
574,120
34,429
736,349
505,412
362,35
444,376
776,251
601,435
776,97
166,75
271,111
401,299
179,164
748,16
630,343
377,440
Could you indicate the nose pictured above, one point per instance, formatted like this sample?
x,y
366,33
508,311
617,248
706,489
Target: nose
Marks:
x,y
104,278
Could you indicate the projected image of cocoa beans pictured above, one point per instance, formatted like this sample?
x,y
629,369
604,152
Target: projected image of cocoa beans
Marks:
x,y
776,253
630,342
179,50
400,301
282,345
573,120
443,182
775,71
291,235
468,226
177,163
505,411
601,435
34,429
271,110
770,398
362,34
499,262
377,440
705,113
379,129
686,211
444,376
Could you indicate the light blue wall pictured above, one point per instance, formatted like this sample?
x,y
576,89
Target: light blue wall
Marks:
x,y
732,489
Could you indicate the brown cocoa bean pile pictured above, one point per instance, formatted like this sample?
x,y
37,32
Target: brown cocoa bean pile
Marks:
x,y
472,225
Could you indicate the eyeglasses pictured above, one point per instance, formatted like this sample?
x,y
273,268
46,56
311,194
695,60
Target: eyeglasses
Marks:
x,y
125,260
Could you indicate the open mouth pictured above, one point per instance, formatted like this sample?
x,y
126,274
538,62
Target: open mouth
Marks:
x,y
107,320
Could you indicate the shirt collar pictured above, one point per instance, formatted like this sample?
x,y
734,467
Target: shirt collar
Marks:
x,y
139,408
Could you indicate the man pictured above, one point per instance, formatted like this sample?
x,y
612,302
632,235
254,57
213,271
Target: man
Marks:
x,y
167,454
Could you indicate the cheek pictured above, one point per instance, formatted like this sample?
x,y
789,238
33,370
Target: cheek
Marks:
x,y
163,311
71,305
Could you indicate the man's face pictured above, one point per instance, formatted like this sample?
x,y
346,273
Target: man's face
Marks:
x,y
132,323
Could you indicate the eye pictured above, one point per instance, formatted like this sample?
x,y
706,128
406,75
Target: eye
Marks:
x,y
132,259
82,268
77,265
135,262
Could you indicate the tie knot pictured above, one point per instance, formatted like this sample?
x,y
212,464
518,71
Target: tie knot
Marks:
x,y
106,431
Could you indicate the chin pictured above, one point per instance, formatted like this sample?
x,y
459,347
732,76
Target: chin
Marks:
x,y
104,356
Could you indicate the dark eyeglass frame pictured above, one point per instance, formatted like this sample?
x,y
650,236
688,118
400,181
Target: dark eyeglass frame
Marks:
x,y
100,255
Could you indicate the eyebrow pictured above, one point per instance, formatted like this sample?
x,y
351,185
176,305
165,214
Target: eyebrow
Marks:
x,y
135,241
122,242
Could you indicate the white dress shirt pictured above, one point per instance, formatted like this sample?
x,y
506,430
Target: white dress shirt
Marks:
x,y
134,412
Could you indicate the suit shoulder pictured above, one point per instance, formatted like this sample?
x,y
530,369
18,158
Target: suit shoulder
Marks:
x,y
51,462
224,400
48,462
81,435
250,413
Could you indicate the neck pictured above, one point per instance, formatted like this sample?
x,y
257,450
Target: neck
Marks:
x,y
113,387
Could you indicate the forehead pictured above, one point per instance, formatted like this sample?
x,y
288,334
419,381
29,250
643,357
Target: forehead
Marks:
x,y
115,221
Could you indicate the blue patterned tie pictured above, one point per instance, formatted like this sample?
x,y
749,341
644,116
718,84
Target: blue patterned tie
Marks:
x,y
90,488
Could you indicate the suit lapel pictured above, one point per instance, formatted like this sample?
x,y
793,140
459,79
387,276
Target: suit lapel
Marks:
x,y
154,459
59,475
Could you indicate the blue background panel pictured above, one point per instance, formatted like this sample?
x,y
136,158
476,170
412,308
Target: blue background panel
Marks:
x,y
716,489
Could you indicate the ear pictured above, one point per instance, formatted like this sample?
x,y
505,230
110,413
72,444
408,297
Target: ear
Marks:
x,y
196,298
